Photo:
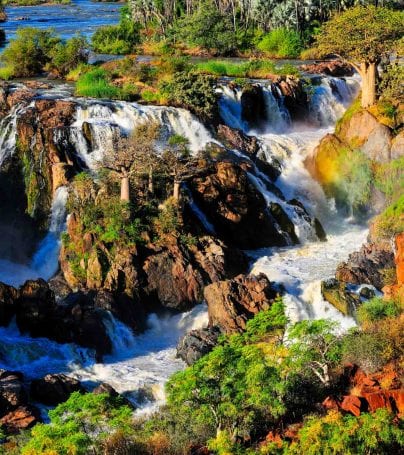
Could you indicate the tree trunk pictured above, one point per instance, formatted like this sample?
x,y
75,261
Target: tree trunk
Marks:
x,y
125,189
176,192
368,73
151,182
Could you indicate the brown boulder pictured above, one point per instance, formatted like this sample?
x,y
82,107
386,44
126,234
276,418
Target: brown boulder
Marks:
x,y
12,391
21,418
232,302
8,296
54,389
236,139
241,218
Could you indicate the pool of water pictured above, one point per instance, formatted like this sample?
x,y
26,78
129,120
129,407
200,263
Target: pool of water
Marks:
x,y
80,16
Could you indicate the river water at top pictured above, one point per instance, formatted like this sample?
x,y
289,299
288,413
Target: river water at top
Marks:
x,y
80,16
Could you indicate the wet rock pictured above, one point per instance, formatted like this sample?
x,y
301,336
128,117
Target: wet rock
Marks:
x,y
315,223
105,388
366,266
197,343
253,109
58,285
12,391
19,419
232,302
227,196
54,389
236,139
294,97
367,293
21,95
335,68
8,295
338,295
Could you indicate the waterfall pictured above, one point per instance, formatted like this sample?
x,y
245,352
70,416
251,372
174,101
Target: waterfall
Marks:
x,y
330,99
277,116
107,119
8,132
230,107
44,264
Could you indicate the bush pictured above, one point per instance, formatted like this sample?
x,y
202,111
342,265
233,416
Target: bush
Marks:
x,y
281,43
6,73
29,52
391,221
81,423
65,57
117,39
371,434
377,309
194,92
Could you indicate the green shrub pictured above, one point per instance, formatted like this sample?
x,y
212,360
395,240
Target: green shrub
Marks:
x,y
377,309
29,52
117,39
192,91
389,177
66,56
79,425
372,434
6,73
281,43
391,221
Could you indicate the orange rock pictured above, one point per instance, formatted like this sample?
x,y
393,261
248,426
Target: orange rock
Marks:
x,y
399,258
330,403
351,404
377,400
398,398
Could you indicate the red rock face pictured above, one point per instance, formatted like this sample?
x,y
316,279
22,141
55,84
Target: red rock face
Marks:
x,y
372,392
20,419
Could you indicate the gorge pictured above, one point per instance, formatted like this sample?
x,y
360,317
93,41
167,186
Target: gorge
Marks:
x,y
84,128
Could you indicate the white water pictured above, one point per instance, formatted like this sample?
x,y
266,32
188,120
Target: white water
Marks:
x,y
300,269
107,119
142,362
44,264
149,359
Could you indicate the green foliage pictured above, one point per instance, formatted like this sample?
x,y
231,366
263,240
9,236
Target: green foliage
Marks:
x,y
117,39
66,56
79,425
6,73
389,178
210,29
168,220
363,33
371,434
192,91
391,221
258,68
29,51
391,85
376,309
281,43
95,84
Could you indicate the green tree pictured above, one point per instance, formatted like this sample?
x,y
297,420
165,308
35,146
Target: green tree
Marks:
x,y
362,36
315,348
80,425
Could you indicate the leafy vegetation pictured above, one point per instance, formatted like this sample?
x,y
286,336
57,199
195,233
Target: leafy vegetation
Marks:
x,y
281,43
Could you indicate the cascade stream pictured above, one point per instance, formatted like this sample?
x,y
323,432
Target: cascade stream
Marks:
x,y
146,361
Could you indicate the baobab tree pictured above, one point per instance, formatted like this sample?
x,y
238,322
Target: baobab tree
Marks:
x,y
133,155
363,36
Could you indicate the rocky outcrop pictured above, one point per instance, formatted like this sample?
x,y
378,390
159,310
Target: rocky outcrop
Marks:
x,y
367,265
232,302
78,318
226,195
396,291
54,389
371,392
197,343
335,68
338,294
365,132
15,412
236,139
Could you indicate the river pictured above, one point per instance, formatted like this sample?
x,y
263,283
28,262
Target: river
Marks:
x,y
139,366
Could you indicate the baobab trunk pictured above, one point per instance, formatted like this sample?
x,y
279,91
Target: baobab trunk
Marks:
x,y
176,192
125,189
368,73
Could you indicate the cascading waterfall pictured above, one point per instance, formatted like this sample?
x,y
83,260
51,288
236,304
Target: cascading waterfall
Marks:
x,y
300,269
106,119
44,264
8,132
146,361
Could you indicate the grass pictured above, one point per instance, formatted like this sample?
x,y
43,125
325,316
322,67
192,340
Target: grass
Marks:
x,y
349,113
391,221
252,68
